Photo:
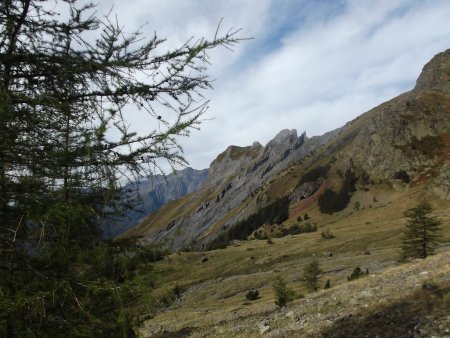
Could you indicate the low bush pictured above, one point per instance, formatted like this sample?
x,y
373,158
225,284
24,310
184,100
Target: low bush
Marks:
x,y
327,234
296,229
356,273
402,175
252,295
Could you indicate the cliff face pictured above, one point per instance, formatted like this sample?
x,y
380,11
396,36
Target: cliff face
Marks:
x,y
228,195
154,193
435,75
408,134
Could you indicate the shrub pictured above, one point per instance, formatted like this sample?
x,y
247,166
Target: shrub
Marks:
x,y
327,234
296,229
168,299
327,284
252,295
357,273
402,175
177,291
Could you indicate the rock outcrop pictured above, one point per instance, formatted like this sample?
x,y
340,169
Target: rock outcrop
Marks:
x,y
408,135
153,194
409,132
436,74
234,177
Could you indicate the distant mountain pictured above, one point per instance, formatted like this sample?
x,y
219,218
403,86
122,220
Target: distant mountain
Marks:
x,y
400,144
154,193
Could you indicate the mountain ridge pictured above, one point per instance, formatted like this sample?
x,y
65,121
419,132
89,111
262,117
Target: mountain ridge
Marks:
x,y
152,194
407,135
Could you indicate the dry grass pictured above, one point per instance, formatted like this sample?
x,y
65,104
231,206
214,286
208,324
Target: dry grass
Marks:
x,y
214,297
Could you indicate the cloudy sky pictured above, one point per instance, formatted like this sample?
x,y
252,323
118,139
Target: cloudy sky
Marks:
x,y
313,65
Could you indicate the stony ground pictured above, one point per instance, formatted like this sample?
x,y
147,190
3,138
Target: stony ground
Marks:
x,y
408,300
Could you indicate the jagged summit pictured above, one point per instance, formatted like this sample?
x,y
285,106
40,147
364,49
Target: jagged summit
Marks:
x,y
407,136
436,74
284,135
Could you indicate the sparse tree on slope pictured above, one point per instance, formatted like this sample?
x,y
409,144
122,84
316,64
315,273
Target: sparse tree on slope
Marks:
x,y
421,236
282,294
311,275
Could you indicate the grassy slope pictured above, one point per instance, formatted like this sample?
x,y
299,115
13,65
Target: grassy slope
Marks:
x,y
214,291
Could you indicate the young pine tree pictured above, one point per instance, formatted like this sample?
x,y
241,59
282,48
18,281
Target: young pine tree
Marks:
x,y
282,294
311,275
421,236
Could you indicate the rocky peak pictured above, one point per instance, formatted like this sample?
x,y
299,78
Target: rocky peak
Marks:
x,y
233,160
284,136
436,74
282,144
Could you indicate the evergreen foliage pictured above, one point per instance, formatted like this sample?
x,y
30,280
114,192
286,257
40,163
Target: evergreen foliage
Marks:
x,y
282,294
274,213
311,274
402,175
330,201
296,229
67,80
314,174
422,232
356,273
252,295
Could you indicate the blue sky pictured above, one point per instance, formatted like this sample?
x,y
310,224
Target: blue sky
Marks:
x,y
313,65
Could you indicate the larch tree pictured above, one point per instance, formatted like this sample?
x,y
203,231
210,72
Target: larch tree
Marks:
x,y
421,236
66,146
311,273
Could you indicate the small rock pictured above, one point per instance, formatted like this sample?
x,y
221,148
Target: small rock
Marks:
x,y
290,314
263,327
429,286
204,259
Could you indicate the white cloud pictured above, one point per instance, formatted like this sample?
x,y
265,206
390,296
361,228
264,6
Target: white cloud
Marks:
x,y
313,74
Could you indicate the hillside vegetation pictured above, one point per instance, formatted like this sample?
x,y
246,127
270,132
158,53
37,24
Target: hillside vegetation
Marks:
x,y
214,284
338,199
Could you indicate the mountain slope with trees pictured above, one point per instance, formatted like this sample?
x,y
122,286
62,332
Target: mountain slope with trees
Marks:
x,y
402,143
